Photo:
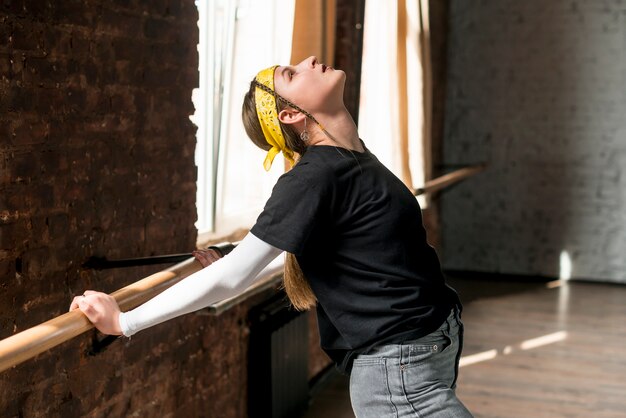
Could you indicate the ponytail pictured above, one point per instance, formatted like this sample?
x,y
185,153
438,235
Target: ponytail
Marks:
x,y
296,285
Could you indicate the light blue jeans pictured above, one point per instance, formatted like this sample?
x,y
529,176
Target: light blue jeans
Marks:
x,y
413,379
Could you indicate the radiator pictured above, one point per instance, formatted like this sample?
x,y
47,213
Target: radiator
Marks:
x,y
277,361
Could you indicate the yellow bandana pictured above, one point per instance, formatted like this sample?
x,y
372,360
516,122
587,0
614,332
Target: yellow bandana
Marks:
x,y
267,113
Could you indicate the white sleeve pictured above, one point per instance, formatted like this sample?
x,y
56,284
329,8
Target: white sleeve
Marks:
x,y
226,277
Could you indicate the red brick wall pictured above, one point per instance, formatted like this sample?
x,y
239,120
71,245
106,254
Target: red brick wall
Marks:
x,y
97,158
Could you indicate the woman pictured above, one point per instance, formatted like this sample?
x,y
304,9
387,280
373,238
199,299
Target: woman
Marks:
x,y
356,249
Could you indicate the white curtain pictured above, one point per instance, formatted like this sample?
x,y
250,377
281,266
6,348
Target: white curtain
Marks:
x,y
256,34
394,106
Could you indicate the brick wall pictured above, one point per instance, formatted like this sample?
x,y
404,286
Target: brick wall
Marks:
x,y
97,158
536,89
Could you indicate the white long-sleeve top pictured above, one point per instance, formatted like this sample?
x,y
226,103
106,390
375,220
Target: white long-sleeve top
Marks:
x,y
225,278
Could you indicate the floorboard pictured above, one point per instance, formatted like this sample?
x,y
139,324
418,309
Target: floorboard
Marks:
x,y
532,350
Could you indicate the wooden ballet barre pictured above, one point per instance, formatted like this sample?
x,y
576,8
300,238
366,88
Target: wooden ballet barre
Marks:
x,y
449,179
33,341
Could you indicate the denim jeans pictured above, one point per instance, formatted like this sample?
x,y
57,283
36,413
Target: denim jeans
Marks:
x,y
413,379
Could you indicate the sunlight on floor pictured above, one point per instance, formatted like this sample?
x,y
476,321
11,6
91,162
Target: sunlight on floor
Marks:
x,y
524,345
544,340
565,271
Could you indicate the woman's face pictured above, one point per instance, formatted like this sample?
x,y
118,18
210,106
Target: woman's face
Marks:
x,y
311,85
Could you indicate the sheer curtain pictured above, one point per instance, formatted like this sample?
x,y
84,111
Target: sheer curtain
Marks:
x,y
241,38
395,104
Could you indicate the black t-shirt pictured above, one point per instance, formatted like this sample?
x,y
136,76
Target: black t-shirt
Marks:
x,y
357,233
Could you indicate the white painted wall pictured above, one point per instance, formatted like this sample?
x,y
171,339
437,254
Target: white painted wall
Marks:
x,y
537,89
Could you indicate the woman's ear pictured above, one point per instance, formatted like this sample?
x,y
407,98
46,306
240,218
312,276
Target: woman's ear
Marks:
x,y
290,116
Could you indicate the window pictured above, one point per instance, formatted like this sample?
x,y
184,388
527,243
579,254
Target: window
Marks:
x,y
240,37
237,39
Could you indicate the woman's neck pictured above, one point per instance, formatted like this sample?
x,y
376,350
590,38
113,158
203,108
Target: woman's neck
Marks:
x,y
340,130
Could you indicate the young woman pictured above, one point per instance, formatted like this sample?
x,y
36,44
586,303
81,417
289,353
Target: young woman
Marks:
x,y
356,250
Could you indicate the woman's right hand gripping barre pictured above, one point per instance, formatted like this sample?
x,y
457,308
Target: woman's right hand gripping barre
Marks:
x,y
101,309
235,272
104,312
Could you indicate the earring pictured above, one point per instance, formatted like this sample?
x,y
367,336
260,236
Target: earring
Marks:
x,y
304,135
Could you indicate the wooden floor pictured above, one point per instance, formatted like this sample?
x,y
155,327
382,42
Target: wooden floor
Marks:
x,y
532,350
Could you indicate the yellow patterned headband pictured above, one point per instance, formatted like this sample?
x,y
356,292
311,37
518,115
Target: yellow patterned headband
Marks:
x,y
267,112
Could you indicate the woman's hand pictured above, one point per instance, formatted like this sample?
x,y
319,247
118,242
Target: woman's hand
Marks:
x,y
101,309
206,257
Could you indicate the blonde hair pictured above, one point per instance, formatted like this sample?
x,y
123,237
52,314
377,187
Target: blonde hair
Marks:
x,y
297,286
295,283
